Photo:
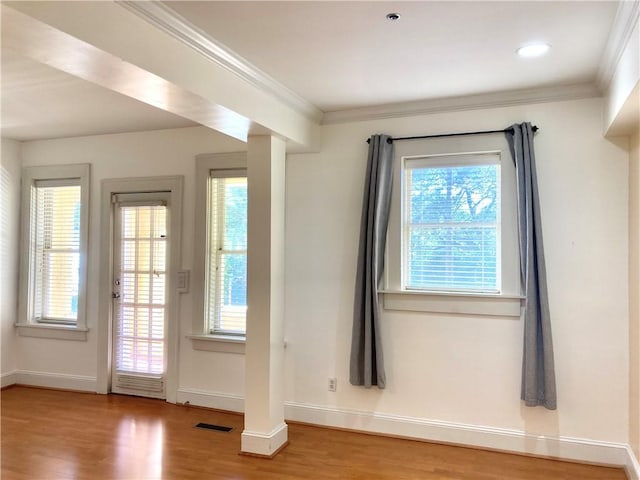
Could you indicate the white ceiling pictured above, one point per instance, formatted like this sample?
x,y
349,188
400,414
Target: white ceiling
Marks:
x,y
338,56
341,55
41,102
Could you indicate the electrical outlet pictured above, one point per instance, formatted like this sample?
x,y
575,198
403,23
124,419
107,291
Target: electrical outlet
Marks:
x,y
333,384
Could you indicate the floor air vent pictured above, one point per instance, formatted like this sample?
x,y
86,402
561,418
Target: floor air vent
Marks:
x,y
209,426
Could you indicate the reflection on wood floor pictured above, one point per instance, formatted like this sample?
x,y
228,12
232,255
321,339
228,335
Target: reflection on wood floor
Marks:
x,y
53,435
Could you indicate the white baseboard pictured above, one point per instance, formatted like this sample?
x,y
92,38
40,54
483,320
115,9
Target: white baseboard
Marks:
x,y
632,466
202,398
55,380
516,441
264,444
8,378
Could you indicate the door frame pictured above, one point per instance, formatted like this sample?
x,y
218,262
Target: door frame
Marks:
x,y
174,186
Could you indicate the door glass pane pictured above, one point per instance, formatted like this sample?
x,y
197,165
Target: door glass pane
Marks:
x,y
141,307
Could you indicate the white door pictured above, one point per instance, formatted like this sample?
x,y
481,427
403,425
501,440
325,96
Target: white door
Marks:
x,y
139,294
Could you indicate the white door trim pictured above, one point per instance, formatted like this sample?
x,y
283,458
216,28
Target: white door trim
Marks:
x,y
173,185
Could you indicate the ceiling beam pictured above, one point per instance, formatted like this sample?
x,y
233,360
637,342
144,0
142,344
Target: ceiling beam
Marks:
x,y
110,46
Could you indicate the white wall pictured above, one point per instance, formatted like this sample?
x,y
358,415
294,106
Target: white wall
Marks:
x,y
634,296
163,152
462,370
466,370
10,231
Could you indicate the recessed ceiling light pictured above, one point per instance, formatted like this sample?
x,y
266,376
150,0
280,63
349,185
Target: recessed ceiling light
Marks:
x,y
393,16
533,50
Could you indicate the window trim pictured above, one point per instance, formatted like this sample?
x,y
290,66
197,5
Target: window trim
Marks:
x,y
200,336
507,302
26,324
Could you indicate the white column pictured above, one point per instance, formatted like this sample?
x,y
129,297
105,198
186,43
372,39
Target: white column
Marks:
x,y
265,431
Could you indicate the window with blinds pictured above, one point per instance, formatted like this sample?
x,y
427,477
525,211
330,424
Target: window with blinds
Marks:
x,y
55,249
451,223
226,269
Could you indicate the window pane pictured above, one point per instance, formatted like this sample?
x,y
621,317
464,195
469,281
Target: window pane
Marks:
x,y
157,296
144,256
235,216
227,256
143,283
454,194
56,249
159,255
143,217
452,258
452,228
129,219
234,283
60,279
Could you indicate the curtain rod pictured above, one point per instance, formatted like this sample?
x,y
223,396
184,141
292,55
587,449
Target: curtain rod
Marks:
x,y
390,140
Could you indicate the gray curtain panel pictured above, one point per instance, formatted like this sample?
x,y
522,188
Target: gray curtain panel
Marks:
x,y
367,363
538,374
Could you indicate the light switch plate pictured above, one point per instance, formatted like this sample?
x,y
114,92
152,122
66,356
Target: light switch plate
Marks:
x,y
183,281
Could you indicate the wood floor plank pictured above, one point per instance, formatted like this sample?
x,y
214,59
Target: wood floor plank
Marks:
x,y
55,435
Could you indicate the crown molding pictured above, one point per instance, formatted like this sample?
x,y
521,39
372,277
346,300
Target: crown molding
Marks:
x,y
169,21
624,22
166,19
468,102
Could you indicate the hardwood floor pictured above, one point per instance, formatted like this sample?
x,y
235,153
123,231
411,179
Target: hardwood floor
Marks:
x,y
53,435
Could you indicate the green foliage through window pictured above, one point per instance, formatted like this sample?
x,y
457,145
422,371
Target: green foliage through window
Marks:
x,y
452,217
227,266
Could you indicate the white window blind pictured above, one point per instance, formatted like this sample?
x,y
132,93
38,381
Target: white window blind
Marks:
x,y
226,273
451,223
55,215
142,277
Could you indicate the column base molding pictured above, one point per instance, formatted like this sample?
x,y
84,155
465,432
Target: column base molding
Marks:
x,y
266,445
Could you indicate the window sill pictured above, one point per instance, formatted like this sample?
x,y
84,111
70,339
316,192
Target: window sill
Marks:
x,y
57,332
453,303
218,343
